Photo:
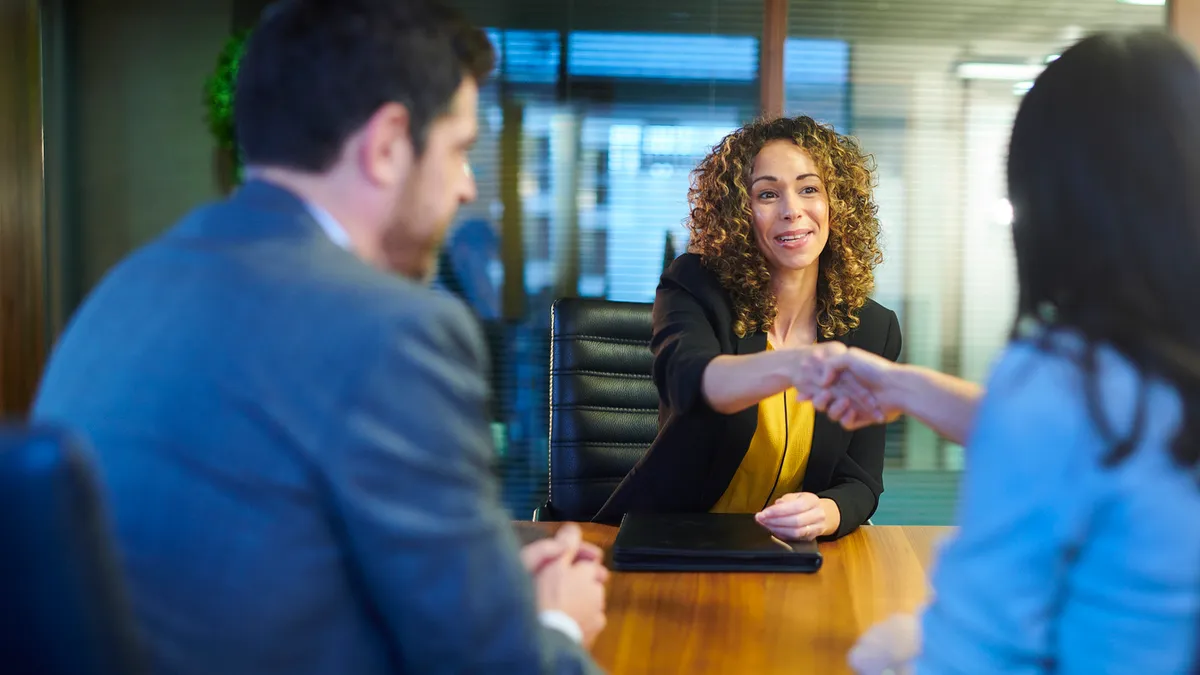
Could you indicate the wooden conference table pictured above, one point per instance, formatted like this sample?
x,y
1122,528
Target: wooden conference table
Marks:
x,y
757,623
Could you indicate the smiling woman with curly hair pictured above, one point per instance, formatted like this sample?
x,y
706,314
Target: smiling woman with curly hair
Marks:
x,y
722,224
777,277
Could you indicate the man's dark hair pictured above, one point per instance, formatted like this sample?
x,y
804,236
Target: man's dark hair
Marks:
x,y
315,71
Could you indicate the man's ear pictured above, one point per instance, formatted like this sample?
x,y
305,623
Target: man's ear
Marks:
x,y
385,148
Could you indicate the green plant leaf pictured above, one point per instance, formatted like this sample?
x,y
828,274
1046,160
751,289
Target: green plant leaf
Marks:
x,y
218,96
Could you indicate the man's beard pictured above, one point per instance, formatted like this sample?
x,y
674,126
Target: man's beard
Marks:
x,y
410,257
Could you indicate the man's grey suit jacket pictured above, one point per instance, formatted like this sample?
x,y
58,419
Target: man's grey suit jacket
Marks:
x,y
296,457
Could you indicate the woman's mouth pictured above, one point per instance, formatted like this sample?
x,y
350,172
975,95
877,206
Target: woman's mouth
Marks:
x,y
794,238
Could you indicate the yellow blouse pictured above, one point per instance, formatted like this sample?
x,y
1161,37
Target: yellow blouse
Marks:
x,y
777,457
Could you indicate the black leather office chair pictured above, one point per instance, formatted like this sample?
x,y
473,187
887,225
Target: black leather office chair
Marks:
x,y
62,606
603,403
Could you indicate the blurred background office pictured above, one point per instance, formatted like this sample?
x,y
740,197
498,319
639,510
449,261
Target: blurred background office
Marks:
x,y
595,116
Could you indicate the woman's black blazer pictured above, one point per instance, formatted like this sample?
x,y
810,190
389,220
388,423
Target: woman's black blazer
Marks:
x,y
698,450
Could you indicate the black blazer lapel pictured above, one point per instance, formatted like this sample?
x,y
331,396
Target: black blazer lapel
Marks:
x,y
751,344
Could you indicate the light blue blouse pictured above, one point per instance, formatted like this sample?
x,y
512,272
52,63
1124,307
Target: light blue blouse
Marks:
x,y
1061,565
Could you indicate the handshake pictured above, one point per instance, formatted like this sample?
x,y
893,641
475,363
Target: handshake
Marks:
x,y
854,388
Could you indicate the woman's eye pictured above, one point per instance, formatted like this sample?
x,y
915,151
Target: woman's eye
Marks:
x,y
766,194
809,190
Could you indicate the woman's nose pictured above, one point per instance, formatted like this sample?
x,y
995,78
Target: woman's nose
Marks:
x,y
787,207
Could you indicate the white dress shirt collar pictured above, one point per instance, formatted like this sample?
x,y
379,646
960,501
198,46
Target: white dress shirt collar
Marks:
x,y
330,224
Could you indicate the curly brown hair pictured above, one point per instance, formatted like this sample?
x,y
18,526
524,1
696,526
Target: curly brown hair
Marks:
x,y
722,226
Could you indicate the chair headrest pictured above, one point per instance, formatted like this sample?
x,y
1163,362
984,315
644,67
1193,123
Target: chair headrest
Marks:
x,y
604,318
59,576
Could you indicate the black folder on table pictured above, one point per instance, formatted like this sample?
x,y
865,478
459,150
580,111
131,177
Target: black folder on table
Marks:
x,y
707,542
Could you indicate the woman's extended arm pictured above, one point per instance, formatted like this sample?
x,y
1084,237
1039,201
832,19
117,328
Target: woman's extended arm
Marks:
x,y
945,403
733,383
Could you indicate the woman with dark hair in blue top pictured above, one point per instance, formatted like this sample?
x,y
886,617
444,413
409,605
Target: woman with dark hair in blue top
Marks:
x,y
1078,549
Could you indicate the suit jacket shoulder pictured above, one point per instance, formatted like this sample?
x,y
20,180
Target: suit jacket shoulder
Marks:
x,y
878,331
689,273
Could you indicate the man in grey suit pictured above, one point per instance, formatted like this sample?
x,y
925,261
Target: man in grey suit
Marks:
x,y
291,427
